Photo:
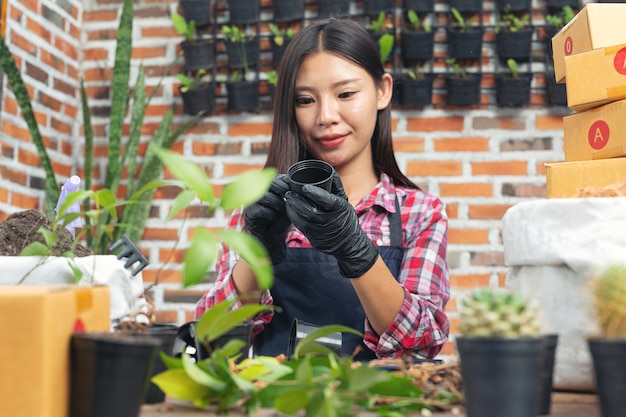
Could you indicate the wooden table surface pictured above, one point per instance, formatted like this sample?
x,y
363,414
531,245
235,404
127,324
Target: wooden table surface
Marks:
x,y
563,405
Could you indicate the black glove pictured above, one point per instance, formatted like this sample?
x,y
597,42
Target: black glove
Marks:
x,y
331,225
267,220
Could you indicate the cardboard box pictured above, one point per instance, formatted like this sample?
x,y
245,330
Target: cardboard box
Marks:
x,y
595,134
597,77
597,25
36,323
565,179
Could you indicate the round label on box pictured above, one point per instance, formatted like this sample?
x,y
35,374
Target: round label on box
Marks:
x,y
619,62
568,45
598,134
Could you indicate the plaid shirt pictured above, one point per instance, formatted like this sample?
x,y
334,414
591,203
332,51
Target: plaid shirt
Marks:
x,y
421,326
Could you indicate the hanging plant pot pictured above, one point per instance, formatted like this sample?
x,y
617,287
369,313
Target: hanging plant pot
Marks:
x,y
279,50
516,45
550,31
381,42
238,52
198,54
546,373
288,10
416,92
374,7
416,46
337,8
465,44
419,6
513,91
463,91
243,96
199,100
609,364
499,375
244,11
514,6
197,10
467,6
557,5
556,92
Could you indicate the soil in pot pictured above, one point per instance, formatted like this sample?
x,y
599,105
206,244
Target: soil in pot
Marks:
x,y
21,229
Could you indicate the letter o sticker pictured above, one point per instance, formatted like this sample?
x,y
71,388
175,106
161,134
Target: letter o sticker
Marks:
x,y
598,134
568,46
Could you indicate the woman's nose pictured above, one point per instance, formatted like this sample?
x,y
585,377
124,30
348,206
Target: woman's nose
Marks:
x,y
328,112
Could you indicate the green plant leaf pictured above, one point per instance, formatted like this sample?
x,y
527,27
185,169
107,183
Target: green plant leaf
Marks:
x,y
323,331
200,376
290,402
199,257
247,188
253,252
49,236
171,362
177,384
35,249
210,330
181,202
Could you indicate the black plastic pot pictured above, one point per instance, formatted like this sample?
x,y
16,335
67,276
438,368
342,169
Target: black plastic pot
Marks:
x,y
198,54
557,5
467,6
197,10
465,44
244,11
200,100
416,92
556,92
500,375
374,7
419,6
416,46
516,45
279,50
609,365
243,96
109,373
514,5
546,373
463,91
326,8
187,337
288,10
238,51
513,91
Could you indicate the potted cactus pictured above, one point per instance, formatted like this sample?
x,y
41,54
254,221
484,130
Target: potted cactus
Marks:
x,y
608,350
500,353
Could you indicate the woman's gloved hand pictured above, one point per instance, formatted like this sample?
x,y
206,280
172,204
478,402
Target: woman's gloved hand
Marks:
x,y
267,220
331,225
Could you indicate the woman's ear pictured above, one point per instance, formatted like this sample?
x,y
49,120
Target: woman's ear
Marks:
x,y
384,91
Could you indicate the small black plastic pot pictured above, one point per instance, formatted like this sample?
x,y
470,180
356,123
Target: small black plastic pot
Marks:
x,y
243,95
546,373
467,6
500,375
416,46
237,51
288,10
109,373
416,92
374,7
419,6
514,6
200,100
279,50
337,8
463,91
609,365
197,10
556,92
557,5
244,11
465,44
516,45
198,54
513,91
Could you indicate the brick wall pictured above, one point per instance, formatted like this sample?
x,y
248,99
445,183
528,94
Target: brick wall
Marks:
x,y
480,161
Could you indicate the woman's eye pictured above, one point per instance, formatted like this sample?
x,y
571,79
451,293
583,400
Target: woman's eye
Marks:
x,y
301,101
347,94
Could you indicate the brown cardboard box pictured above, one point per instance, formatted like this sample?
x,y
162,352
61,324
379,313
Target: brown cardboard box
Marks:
x,y
565,179
595,134
36,323
597,77
597,25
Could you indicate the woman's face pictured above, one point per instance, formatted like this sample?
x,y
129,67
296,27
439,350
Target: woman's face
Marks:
x,y
336,108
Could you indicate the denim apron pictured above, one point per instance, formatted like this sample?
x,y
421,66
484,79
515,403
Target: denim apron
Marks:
x,y
309,287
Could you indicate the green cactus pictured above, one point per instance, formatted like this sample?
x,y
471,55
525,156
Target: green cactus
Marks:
x,y
609,297
497,312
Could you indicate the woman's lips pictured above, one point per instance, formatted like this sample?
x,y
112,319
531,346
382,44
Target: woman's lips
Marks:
x,y
331,141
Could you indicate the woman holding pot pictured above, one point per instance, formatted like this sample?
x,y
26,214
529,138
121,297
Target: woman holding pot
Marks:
x,y
371,253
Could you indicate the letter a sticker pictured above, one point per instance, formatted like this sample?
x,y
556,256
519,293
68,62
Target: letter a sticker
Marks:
x,y
598,134
619,62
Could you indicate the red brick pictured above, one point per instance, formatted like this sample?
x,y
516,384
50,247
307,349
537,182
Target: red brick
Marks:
x,y
434,124
468,236
465,189
434,168
500,168
549,122
414,144
487,211
250,129
469,144
469,281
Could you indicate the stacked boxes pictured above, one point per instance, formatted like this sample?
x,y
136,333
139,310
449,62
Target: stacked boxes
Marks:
x,y
590,56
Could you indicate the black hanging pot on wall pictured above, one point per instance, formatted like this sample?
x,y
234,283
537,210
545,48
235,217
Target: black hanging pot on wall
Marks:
x,y
516,45
238,51
556,92
514,6
467,6
244,11
199,100
337,8
463,91
288,10
197,10
419,6
374,7
557,5
465,44
279,50
416,92
198,54
416,46
513,91
243,95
